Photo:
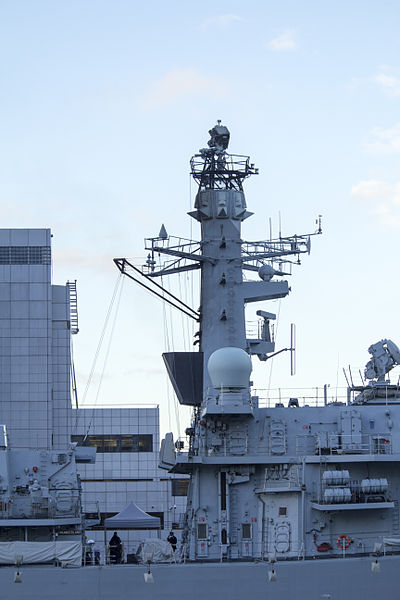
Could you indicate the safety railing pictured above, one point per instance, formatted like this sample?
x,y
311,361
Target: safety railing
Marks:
x,y
315,397
334,443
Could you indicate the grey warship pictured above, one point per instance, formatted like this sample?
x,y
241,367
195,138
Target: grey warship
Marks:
x,y
285,502
309,492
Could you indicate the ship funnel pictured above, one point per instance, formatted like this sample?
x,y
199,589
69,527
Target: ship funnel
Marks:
x,y
229,368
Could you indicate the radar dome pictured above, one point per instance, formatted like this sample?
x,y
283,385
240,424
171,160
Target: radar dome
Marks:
x,y
229,368
266,272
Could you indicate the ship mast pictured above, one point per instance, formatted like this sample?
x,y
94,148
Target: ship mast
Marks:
x,y
220,208
222,256
215,378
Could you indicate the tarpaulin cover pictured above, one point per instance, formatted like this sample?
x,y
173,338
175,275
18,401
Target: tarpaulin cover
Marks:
x,y
132,517
155,551
391,541
68,552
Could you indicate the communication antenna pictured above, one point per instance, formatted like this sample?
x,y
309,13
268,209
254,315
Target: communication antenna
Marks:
x,y
280,225
270,229
345,375
292,349
351,377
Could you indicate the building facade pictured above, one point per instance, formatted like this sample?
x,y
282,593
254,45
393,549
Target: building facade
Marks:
x,y
126,470
35,329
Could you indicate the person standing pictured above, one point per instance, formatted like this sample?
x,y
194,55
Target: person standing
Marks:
x,y
115,546
172,540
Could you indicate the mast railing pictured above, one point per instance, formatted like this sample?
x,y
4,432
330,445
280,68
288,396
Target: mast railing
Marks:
x,y
315,396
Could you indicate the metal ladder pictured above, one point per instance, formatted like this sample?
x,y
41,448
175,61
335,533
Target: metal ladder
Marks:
x,y
395,517
234,515
73,302
43,478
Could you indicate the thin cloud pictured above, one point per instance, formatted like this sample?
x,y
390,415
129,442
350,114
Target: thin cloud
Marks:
x,y
384,199
15,214
388,82
177,84
384,141
284,42
221,21
80,257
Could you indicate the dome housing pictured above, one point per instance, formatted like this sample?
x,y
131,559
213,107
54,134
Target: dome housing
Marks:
x,y
229,368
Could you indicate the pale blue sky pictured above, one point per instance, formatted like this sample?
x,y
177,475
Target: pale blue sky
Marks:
x,y
103,103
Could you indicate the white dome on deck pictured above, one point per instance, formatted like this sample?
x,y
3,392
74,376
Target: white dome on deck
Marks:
x,y
229,368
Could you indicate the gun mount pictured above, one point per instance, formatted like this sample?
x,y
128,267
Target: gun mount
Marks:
x,y
385,356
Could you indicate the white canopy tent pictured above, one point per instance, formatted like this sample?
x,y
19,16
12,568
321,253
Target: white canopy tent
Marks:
x,y
132,517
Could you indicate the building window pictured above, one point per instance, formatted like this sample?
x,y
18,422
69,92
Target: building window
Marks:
x,y
110,443
283,511
160,515
127,444
180,487
116,443
93,440
99,526
142,443
25,255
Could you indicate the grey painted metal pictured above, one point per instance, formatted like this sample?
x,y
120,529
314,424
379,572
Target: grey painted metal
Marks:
x,y
337,579
40,493
257,487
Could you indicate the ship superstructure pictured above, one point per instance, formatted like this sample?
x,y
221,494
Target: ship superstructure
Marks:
x,y
284,482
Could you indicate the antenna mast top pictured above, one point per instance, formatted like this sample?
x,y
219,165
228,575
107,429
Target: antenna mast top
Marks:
x,y
213,168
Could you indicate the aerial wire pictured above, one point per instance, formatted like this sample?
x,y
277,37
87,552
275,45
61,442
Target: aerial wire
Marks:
x,y
167,347
168,320
73,376
176,403
107,353
99,345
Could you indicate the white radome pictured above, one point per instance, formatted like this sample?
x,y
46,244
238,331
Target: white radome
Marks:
x,y
229,368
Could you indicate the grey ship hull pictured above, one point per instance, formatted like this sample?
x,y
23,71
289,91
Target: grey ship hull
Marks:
x,y
334,579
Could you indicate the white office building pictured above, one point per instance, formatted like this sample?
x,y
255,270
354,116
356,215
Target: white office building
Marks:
x,y
35,328
126,470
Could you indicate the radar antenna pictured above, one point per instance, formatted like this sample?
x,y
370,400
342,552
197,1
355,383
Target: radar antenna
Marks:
x,y
385,356
213,168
